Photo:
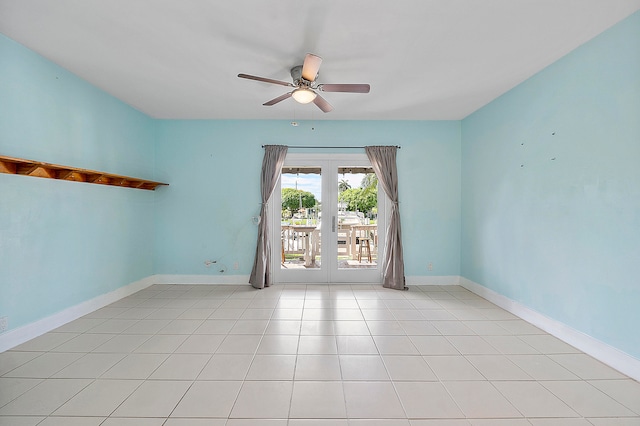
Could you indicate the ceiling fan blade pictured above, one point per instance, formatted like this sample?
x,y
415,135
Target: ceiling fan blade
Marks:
x,y
278,99
265,80
350,88
322,104
311,66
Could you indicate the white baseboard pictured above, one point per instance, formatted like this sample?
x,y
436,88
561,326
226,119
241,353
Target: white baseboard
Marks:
x,y
601,351
433,280
244,279
202,279
15,337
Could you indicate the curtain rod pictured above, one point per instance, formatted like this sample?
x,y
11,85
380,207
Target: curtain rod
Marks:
x,y
331,147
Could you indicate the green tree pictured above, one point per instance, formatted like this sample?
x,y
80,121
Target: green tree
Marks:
x,y
343,185
291,199
358,199
363,199
348,196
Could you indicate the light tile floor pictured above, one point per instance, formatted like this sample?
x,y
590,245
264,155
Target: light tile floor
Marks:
x,y
297,355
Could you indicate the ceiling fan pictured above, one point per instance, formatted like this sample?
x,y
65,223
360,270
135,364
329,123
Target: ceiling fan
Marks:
x,y
305,85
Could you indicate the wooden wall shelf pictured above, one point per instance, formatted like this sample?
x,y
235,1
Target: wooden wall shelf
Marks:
x,y
19,166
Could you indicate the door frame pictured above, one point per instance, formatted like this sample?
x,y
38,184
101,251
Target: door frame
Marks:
x,y
329,271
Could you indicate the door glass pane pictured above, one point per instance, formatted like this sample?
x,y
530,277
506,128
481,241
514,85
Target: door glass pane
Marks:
x,y
357,218
300,219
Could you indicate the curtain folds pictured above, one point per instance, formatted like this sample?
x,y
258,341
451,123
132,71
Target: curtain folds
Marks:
x,y
272,162
383,161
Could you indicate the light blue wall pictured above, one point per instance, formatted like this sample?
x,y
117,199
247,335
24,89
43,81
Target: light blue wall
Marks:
x,y
551,193
62,243
214,171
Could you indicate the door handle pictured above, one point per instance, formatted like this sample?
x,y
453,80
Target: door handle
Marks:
x,y
333,224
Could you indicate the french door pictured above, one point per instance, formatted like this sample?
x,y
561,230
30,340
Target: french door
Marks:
x,y
327,220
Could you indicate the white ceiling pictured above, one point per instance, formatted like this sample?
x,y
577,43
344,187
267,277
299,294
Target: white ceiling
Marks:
x,y
424,59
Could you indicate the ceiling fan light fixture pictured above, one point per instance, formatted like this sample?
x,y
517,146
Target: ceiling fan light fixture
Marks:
x,y
304,95
305,85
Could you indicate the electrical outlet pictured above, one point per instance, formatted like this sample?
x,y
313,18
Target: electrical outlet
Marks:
x,y
236,266
430,266
4,324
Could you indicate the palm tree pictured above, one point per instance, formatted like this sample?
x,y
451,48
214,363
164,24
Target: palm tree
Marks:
x,y
343,185
370,181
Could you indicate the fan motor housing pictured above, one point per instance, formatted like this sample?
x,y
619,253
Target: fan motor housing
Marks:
x,y
296,75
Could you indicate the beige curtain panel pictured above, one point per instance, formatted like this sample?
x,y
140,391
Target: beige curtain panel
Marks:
x,y
383,161
274,156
